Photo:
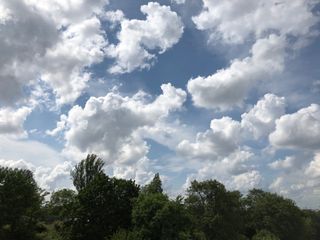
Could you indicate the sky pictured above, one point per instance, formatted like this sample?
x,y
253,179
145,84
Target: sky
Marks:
x,y
192,89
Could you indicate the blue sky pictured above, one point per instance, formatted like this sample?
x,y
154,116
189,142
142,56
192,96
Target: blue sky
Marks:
x,y
190,89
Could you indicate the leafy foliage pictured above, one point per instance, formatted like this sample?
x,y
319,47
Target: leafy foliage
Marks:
x,y
271,212
103,204
20,201
216,212
155,186
105,208
156,217
86,171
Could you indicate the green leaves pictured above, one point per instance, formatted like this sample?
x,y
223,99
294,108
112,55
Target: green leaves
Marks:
x,y
271,212
86,171
216,212
155,186
107,208
20,201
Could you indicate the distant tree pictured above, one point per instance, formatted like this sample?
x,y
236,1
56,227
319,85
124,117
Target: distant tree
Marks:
x,y
271,212
155,186
85,171
216,212
20,201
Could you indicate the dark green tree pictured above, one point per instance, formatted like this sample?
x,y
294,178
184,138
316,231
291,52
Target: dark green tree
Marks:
x,y
103,205
155,186
216,212
156,217
271,212
312,224
20,202
85,171
61,203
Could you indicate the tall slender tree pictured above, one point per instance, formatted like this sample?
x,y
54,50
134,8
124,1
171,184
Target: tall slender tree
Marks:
x,y
85,171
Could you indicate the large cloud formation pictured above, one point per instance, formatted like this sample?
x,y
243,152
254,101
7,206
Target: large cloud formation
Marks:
x,y
53,41
228,87
223,152
112,126
139,38
236,21
273,27
25,34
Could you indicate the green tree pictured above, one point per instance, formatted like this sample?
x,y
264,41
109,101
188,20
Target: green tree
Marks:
x,y
271,212
61,202
20,201
103,205
156,217
216,212
312,224
85,171
155,186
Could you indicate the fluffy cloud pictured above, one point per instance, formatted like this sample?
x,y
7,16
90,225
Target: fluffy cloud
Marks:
x,y
219,153
299,176
313,169
236,21
298,130
69,12
260,120
81,45
246,181
220,140
299,180
48,178
273,27
11,120
110,125
234,171
22,164
50,169
25,35
139,38
227,135
228,87
224,152
288,163
140,171
36,45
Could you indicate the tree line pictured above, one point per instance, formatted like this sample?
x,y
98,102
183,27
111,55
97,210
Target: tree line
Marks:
x,y
109,208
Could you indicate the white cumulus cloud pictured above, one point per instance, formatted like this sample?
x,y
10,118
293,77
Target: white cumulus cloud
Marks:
x,y
12,120
236,21
260,120
139,39
229,87
299,130
110,125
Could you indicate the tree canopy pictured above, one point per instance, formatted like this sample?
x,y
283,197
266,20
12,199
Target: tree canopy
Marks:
x,y
109,208
20,202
